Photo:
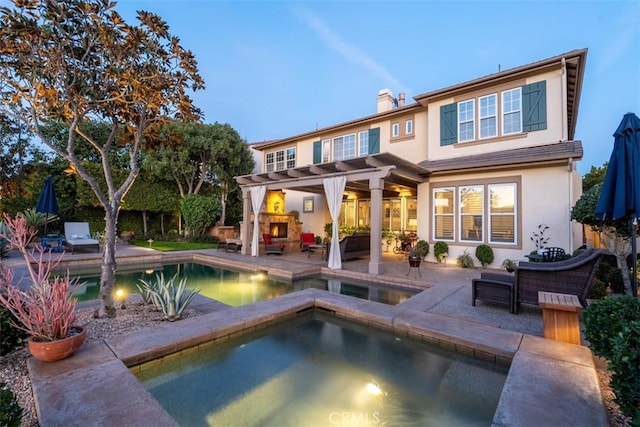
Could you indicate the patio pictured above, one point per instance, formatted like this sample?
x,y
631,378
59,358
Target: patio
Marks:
x,y
560,378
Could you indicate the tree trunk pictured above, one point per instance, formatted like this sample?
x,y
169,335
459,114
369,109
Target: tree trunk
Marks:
x,y
108,268
621,248
162,224
144,222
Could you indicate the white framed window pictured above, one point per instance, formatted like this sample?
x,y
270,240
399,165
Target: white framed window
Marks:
x,y
338,144
291,157
488,115
471,201
349,147
466,121
512,111
443,213
344,147
326,150
280,160
395,130
363,143
269,162
502,213
409,127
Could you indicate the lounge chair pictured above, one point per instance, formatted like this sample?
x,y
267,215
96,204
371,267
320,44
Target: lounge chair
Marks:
x,y
306,240
272,248
78,236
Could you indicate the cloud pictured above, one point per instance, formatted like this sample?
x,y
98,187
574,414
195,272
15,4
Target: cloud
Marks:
x,y
352,53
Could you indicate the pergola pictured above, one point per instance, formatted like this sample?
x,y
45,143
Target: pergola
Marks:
x,y
377,176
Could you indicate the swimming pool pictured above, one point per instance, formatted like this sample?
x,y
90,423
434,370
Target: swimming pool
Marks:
x,y
238,288
320,370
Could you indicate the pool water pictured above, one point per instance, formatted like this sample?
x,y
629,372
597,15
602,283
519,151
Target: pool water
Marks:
x,y
319,370
237,288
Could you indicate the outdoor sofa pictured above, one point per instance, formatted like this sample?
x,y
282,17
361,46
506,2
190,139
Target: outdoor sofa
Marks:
x,y
572,276
355,246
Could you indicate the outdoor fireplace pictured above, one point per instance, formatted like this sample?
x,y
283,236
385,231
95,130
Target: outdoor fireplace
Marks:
x,y
278,229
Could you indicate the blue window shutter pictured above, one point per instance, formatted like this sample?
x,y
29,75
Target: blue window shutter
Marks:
x,y
448,124
534,106
374,141
317,152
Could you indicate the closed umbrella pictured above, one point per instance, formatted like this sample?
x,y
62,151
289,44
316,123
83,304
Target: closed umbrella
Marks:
x,y
47,203
620,196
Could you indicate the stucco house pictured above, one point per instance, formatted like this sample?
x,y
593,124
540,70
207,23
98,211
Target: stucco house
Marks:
x,y
481,162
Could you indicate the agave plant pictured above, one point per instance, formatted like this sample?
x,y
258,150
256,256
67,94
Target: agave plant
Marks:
x,y
36,220
166,296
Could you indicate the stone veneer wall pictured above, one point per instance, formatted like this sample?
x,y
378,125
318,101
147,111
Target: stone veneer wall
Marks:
x,y
292,241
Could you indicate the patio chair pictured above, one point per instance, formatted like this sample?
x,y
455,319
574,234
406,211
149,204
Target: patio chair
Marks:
x,y
553,254
306,240
78,236
270,247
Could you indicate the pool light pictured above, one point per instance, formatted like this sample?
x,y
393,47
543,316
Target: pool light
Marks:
x,y
373,389
120,296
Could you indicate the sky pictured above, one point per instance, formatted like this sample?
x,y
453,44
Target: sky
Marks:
x,y
276,69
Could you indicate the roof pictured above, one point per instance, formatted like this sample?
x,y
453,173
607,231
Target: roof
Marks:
x,y
400,176
558,152
574,61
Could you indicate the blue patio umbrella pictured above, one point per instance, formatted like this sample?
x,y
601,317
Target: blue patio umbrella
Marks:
x,y
47,203
620,196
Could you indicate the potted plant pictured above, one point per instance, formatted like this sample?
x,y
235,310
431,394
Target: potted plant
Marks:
x,y
440,250
509,265
45,310
423,246
416,254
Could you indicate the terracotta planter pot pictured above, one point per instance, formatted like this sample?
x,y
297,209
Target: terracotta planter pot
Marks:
x,y
50,351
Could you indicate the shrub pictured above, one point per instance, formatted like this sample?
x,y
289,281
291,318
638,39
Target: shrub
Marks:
x,y
612,327
11,337
422,247
199,213
484,253
597,290
614,278
440,249
10,411
465,260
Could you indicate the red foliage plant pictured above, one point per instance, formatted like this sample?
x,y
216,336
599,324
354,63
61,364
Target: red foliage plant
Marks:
x,y
46,308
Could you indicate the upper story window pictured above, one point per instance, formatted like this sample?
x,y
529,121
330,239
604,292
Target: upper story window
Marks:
x,y
395,130
488,115
363,142
466,123
348,146
408,127
511,111
280,159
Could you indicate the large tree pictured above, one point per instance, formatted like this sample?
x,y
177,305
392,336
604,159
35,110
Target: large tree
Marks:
x,y
73,61
199,156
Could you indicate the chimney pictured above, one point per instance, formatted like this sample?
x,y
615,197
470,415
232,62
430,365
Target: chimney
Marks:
x,y
401,99
386,101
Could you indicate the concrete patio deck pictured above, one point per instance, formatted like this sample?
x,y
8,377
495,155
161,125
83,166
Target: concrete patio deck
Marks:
x,y
549,383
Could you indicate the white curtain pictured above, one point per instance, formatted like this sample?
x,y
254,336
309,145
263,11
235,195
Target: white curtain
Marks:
x,y
334,189
257,196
